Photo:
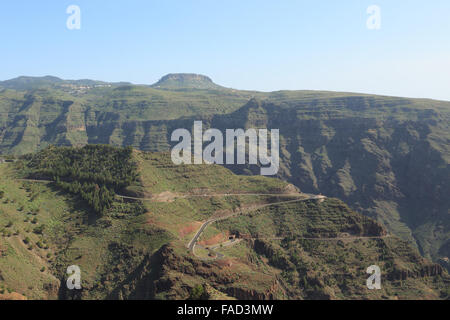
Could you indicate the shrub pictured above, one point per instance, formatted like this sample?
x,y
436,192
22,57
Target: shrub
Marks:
x,y
39,229
199,293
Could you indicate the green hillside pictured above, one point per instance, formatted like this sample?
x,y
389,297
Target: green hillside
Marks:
x,y
286,244
389,160
387,157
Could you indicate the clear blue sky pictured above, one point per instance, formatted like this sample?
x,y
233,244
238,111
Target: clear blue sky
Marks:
x,y
245,44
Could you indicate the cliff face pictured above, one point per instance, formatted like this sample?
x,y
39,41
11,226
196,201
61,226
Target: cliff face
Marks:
x,y
394,170
386,157
294,268
387,160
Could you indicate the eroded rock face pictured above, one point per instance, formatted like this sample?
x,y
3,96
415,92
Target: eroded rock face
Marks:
x,y
394,170
165,273
386,157
426,271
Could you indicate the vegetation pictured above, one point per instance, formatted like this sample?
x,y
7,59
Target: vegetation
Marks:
x,y
376,153
68,231
138,249
94,172
199,293
387,157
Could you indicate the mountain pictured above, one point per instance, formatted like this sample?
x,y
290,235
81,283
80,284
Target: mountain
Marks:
x,y
33,83
386,157
177,81
139,227
29,83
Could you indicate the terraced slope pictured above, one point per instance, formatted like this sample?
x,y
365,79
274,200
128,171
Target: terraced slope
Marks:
x,y
78,112
297,250
386,157
389,161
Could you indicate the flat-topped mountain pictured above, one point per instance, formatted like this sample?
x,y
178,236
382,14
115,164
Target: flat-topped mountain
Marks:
x,y
186,81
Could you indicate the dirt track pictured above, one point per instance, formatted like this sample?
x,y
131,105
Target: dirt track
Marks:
x,y
168,196
191,245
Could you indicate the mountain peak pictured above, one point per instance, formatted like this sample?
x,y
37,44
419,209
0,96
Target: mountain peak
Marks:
x,y
185,81
26,82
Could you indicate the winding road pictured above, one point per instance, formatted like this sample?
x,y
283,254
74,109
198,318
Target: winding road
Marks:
x,y
191,245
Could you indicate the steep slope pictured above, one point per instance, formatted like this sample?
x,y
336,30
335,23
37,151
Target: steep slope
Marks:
x,y
288,245
119,115
386,157
47,227
390,162
283,249
305,251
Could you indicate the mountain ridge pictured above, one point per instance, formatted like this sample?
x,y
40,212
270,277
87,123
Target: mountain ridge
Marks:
x,y
180,81
136,249
25,83
388,157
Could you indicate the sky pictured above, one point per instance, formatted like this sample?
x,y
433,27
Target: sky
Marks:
x,y
243,44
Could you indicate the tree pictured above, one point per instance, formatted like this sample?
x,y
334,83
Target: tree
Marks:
x,y
199,293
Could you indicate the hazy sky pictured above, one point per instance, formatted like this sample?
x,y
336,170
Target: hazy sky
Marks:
x,y
245,44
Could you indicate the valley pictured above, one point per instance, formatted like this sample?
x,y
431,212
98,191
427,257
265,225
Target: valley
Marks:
x,y
387,157
210,227
282,243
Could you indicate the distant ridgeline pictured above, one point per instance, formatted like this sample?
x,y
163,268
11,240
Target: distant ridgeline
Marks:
x,y
94,172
